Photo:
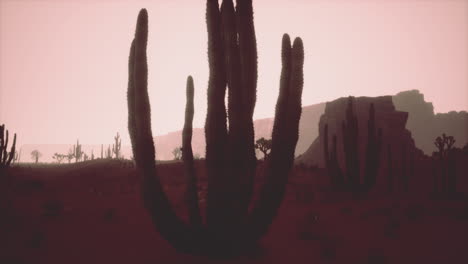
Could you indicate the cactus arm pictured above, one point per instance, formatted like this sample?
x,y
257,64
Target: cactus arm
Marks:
x,y
187,156
156,202
284,139
215,124
12,152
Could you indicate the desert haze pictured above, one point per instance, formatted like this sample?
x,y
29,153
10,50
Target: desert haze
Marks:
x,y
247,131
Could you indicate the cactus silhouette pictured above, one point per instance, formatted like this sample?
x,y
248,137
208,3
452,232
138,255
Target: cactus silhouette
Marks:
x,y
77,152
331,161
374,146
230,155
6,156
351,154
350,144
117,146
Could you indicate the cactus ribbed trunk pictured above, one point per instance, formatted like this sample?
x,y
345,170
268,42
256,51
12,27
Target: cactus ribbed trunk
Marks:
x,y
374,145
187,157
350,142
230,154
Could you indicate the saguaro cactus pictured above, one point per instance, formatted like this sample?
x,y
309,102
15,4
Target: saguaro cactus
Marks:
x,y
374,146
230,154
350,143
117,146
77,152
351,153
5,156
331,161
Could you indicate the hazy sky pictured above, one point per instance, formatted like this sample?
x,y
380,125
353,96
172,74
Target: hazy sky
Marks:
x,y
63,64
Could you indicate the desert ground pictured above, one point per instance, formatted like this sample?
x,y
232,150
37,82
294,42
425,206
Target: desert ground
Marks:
x,y
91,212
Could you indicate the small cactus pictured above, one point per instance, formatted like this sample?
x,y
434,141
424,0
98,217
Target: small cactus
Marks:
x,y
117,146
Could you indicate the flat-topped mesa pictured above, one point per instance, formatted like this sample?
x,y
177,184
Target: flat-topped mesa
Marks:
x,y
391,121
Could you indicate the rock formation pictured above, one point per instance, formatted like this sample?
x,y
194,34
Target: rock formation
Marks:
x,y
425,126
391,121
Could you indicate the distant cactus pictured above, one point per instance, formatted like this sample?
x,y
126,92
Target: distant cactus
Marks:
x,y
109,152
102,151
230,155
350,144
92,154
351,153
373,151
70,155
331,161
117,146
77,151
6,156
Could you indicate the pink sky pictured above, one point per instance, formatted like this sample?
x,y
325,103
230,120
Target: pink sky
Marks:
x,y
63,64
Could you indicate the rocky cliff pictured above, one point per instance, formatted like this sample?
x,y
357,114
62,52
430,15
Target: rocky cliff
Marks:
x,y
425,126
391,121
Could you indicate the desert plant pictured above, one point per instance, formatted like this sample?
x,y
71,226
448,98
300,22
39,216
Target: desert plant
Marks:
x,y
70,155
230,155
117,146
77,152
446,156
264,145
373,149
351,153
109,152
331,161
102,151
35,155
6,156
177,153
58,157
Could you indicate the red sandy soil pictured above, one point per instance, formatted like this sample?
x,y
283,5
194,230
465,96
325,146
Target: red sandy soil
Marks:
x,y
92,213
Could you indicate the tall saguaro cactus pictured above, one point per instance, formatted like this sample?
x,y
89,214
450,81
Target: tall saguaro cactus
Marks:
x,y
230,154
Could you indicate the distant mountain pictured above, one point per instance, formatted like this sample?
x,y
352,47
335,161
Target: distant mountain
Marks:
x,y
391,121
165,144
425,126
